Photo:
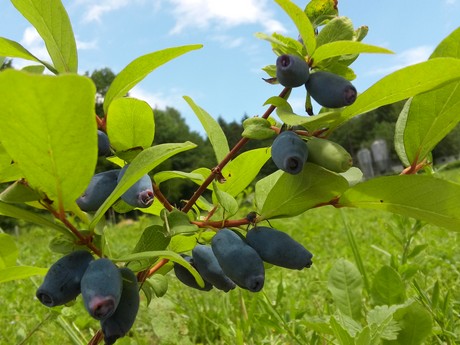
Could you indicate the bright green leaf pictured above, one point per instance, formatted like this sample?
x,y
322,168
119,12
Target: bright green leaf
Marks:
x,y
213,130
388,287
320,11
338,29
423,197
32,217
163,176
50,19
430,116
139,68
20,272
144,162
285,195
242,170
404,83
339,48
152,238
130,124
45,141
345,284
177,222
301,21
380,320
227,201
18,192
13,49
8,251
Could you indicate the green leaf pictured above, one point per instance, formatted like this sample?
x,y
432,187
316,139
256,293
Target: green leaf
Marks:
x,y
144,162
416,196
286,195
342,335
18,192
345,284
388,287
139,68
404,83
242,170
301,21
213,130
320,11
430,116
13,49
224,199
20,272
182,243
130,124
338,29
152,238
416,324
8,251
159,284
20,213
257,128
166,254
163,176
177,222
37,69
381,322
339,48
43,140
50,19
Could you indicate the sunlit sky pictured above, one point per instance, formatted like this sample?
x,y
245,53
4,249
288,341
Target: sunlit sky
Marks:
x,y
225,76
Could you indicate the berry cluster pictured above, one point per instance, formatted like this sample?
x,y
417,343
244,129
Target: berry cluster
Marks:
x,y
110,294
102,185
233,260
327,89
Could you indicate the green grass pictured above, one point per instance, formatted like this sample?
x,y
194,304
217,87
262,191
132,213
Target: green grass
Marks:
x,y
281,313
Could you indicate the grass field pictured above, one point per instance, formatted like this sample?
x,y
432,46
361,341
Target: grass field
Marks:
x,y
291,309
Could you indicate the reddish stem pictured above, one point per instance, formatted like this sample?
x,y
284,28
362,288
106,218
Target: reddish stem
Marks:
x,y
217,170
222,223
85,240
96,339
161,198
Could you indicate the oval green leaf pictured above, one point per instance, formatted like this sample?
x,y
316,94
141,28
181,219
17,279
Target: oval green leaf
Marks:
x,y
46,142
423,197
339,48
130,124
50,19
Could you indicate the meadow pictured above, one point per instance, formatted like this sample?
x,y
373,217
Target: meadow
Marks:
x,y
294,307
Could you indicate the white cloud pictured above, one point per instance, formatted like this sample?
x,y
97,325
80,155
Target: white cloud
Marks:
x,y
201,14
159,100
82,45
405,58
94,12
451,2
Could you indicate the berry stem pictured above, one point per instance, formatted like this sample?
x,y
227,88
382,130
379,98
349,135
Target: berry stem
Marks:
x,y
161,198
87,241
222,223
217,170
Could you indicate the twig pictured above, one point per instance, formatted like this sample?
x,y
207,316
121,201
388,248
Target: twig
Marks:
x,y
217,170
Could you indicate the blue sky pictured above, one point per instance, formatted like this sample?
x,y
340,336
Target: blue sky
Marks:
x,y
225,77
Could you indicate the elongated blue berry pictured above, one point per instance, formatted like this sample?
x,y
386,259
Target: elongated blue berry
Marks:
x,y
103,144
207,265
187,278
238,260
121,321
278,248
331,90
289,152
291,70
101,287
62,281
98,190
139,194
